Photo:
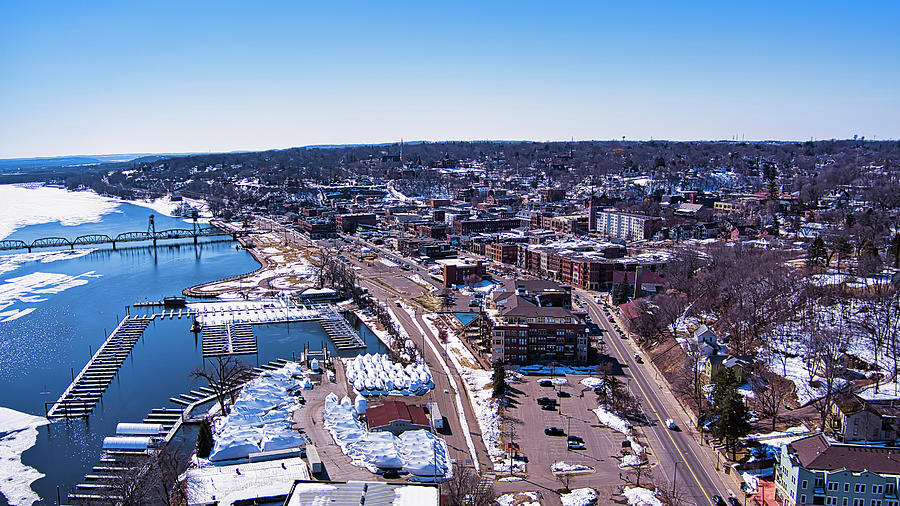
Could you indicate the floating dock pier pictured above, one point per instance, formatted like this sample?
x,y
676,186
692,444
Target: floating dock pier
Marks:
x,y
85,391
230,339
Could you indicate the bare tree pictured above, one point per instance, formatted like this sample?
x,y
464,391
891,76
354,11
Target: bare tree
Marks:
x,y
468,488
828,361
224,375
769,393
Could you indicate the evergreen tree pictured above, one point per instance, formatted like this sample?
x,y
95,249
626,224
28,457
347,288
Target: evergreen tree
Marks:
x,y
620,293
816,254
728,405
204,439
499,379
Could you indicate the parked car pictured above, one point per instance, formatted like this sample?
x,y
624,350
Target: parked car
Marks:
x,y
563,394
546,400
554,431
717,500
638,359
575,445
733,501
576,439
610,319
548,407
545,383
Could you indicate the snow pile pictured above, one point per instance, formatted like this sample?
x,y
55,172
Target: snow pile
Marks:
x,y
509,466
562,467
18,432
31,288
379,375
619,424
592,382
580,497
770,443
9,263
261,419
25,205
518,499
559,381
639,496
419,452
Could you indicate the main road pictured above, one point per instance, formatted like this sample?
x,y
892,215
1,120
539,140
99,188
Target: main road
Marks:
x,y
680,457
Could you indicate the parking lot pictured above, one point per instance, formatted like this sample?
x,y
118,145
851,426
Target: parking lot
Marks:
x,y
573,415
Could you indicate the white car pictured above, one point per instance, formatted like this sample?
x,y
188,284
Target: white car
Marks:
x,y
671,424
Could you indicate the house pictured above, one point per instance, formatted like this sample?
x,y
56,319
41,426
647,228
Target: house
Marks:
x,y
812,470
707,341
710,366
396,417
855,419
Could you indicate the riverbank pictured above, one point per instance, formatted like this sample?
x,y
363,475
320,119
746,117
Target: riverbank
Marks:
x,y
285,268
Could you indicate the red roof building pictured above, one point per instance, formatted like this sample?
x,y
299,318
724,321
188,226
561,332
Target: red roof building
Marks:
x,y
396,417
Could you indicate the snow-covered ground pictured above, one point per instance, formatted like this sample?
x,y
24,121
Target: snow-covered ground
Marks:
x,y
261,418
639,496
619,424
32,288
18,432
580,497
417,452
592,382
379,375
372,323
25,205
771,442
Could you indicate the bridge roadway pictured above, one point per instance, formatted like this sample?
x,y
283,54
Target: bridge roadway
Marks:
x,y
93,239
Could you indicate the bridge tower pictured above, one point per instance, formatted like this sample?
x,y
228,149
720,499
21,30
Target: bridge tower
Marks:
x,y
194,217
151,229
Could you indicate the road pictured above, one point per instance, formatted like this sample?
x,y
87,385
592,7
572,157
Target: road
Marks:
x,y
677,452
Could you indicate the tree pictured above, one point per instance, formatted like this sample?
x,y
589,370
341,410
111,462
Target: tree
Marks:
x,y
499,379
641,470
868,261
468,488
816,254
826,359
620,293
204,439
224,376
728,405
893,253
769,393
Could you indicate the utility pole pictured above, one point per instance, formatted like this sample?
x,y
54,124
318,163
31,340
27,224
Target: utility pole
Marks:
x,y
674,476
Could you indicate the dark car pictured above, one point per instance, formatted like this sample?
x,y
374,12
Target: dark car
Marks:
x,y
548,407
554,431
733,501
546,400
563,394
545,383
718,501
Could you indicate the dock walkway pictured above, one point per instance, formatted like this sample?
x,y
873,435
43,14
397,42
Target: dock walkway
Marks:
x,y
229,339
79,399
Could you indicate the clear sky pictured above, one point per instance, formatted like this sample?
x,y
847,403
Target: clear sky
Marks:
x,y
124,77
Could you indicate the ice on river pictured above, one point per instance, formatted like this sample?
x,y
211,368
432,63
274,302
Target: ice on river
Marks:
x,y
18,432
33,288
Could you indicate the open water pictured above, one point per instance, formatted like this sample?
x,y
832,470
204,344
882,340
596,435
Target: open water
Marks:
x,y
69,306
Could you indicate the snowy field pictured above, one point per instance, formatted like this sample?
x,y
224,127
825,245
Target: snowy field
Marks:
x,y
18,432
379,375
261,418
418,452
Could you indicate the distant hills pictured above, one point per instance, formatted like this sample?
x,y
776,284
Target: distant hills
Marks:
x,y
23,165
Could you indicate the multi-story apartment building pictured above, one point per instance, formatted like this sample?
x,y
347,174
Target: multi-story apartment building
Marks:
x,y
349,222
814,471
525,333
628,226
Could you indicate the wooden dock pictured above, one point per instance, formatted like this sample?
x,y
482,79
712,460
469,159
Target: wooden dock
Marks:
x,y
104,483
229,339
79,399
339,330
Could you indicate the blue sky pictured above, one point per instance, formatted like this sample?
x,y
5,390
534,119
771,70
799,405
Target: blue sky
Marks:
x,y
119,77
